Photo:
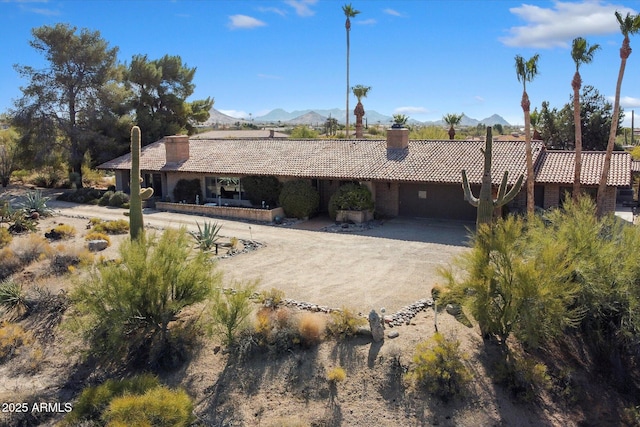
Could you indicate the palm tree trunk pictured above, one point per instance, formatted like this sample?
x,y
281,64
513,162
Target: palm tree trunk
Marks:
x,y
577,122
625,51
348,27
527,138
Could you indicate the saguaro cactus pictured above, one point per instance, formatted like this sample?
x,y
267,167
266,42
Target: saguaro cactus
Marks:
x,y
136,224
485,203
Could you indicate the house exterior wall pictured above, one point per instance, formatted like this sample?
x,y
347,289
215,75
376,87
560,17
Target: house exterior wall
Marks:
x,y
386,198
435,201
173,178
122,180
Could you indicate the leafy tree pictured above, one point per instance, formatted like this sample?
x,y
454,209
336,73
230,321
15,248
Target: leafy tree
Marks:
x,y
581,53
128,305
161,88
8,148
303,132
349,12
500,130
63,102
360,92
526,71
452,120
535,123
231,308
629,25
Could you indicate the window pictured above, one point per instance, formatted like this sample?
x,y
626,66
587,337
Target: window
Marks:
x,y
223,187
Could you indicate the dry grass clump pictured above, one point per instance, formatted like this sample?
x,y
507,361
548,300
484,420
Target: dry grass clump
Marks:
x,y
9,262
345,323
65,231
12,338
311,327
118,226
98,236
336,375
68,258
33,248
5,237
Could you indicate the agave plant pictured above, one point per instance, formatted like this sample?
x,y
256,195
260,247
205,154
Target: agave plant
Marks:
x,y
207,235
35,202
12,299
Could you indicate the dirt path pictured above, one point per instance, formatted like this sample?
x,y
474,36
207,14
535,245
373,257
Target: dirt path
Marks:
x,y
391,266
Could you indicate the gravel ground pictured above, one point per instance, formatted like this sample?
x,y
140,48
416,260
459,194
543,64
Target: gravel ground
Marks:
x,y
391,265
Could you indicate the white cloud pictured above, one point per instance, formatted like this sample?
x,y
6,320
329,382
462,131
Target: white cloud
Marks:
x,y
244,22
558,25
40,11
627,101
235,114
411,110
302,7
392,12
370,21
273,10
478,98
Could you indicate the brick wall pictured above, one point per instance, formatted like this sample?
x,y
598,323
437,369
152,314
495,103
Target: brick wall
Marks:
x,y
264,215
386,198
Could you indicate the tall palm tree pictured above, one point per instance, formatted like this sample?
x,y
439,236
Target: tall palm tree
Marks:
x,y
360,92
630,24
349,12
452,120
581,53
526,71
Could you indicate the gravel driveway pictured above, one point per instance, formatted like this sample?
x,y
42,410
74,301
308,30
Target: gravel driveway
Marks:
x,y
388,266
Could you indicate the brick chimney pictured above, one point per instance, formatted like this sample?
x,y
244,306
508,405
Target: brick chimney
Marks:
x,y
397,138
177,148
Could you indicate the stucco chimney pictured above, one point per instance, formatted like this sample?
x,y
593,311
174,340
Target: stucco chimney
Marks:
x,y
397,138
177,148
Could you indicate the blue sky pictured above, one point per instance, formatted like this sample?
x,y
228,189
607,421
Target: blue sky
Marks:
x,y
421,58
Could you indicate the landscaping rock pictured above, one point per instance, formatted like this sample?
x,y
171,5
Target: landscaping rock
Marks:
x,y
393,334
97,245
453,309
377,330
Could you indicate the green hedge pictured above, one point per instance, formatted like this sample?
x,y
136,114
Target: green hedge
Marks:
x,y
352,196
299,199
187,189
262,188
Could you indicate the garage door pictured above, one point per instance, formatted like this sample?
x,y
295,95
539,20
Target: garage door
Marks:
x,y
435,201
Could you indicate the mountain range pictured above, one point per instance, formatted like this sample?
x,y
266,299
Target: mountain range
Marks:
x,y
317,117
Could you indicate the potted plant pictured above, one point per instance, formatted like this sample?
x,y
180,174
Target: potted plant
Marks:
x,y
399,121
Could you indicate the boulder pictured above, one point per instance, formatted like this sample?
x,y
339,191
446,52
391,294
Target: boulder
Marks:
x,y
377,330
97,245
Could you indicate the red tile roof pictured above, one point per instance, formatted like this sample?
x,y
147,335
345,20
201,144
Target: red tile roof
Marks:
x,y
558,167
423,161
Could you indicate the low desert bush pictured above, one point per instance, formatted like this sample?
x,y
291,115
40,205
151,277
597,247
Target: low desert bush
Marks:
x,y
118,198
33,248
299,199
9,262
271,298
104,200
12,338
523,376
5,237
93,401
66,259
94,235
438,366
13,300
275,329
85,195
311,328
336,375
117,226
262,189
231,309
345,323
65,231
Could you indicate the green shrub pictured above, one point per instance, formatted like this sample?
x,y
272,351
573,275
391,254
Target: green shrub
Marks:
x,y
34,201
126,307
5,237
118,198
350,196
299,199
13,300
345,322
93,401
104,200
118,226
158,407
523,376
187,190
231,308
303,132
262,189
271,298
438,366
86,195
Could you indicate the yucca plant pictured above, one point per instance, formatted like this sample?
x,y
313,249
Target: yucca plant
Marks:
x,y
34,201
12,299
207,235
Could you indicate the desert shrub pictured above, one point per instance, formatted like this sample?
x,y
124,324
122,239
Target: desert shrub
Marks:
x,y
86,195
231,309
5,237
631,414
158,407
104,200
271,298
94,235
523,376
311,328
187,190
47,179
65,231
34,201
438,366
303,132
207,235
9,262
117,226
128,306
336,375
66,259
350,196
12,338
21,223
275,329
345,322
93,401
262,189
20,175
118,198
33,248
299,199
13,300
